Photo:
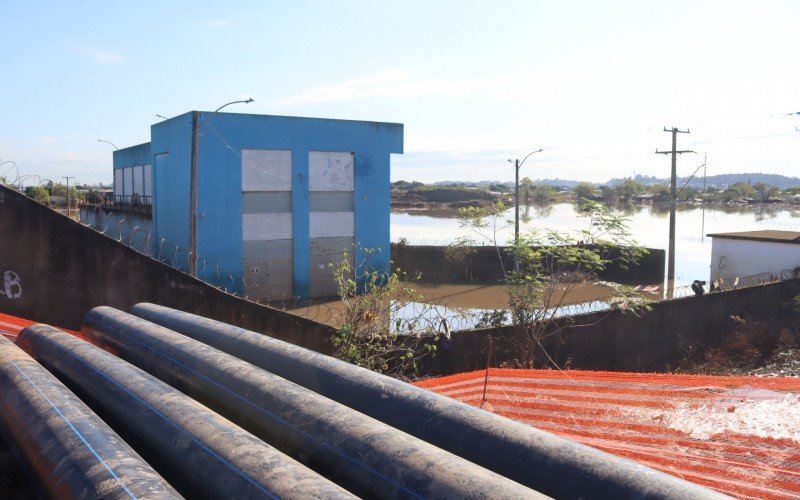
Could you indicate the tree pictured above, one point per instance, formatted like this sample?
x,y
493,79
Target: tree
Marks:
x,y
543,194
375,334
661,192
550,265
60,190
628,188
38,193
608,194
765,191
525,186
583,190
744,190
687,193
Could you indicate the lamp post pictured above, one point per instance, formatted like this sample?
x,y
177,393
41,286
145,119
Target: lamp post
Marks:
x,y
108,142
246,101
517,165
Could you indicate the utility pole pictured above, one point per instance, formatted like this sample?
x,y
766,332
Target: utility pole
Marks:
x,y
69,204
517,165
516,201
673,202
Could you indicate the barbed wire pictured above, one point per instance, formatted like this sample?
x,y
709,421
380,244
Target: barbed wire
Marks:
x,y
408,316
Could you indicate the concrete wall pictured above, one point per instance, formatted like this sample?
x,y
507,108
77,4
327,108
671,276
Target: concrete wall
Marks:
x,y
739,258
53,270
654,341
129,226
441,264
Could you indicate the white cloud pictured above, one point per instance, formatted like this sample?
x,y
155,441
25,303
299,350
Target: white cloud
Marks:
x,y
103,57
397,83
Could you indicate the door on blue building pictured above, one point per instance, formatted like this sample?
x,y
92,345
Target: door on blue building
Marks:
x,y
331,217
267,245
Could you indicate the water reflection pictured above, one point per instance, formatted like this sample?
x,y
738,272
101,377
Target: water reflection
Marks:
x,y
649,224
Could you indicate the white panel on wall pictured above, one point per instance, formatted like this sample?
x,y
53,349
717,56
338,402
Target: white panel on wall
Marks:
x,y
148,182
267,226
266,170
127,175
330,224
330,171
117,182
138,180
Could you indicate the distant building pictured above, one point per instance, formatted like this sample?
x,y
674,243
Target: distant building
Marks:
x,y
742,254
268,202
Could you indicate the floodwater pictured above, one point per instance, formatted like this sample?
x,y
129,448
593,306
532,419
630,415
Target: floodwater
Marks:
x,y
461,306
649,225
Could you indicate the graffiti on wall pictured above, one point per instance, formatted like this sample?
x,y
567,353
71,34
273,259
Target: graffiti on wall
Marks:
x,y
12,285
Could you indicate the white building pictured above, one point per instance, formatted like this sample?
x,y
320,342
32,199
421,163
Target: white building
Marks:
x,y
742,254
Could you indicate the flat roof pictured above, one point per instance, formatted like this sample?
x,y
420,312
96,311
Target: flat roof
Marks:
x,y
764,235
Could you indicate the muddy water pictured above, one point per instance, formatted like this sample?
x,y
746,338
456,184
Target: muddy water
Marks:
x,y
649,225
460,305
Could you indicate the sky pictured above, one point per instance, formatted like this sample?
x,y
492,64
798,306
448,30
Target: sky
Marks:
x,y
592,83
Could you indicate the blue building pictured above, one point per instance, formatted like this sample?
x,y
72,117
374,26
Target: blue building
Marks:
x,y
263,204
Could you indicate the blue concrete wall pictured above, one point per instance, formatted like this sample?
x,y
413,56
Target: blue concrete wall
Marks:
x,y
134,155
171,148
130,157
222,136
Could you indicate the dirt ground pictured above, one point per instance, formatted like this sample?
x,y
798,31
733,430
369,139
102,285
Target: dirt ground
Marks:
x,y
757,348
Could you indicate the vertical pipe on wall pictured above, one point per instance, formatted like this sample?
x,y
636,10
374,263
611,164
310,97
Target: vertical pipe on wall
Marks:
x,y
193,200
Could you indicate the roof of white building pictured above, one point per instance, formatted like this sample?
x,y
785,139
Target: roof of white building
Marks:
x,y
764,235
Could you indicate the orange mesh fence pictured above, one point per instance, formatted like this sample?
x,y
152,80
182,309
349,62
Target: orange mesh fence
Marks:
x,y
10,326
738,435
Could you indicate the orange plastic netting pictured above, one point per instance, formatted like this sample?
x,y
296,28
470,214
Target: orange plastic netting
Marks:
x,y
10,326
738,435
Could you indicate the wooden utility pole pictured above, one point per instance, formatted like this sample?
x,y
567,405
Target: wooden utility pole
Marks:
x,y
193,200
69,204
673,202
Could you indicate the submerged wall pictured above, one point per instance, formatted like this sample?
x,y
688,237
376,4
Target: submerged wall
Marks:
x,y
481,264
617,341
53,270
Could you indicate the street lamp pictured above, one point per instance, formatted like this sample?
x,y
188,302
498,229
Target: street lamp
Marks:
x,y
247,101
107,142
517,165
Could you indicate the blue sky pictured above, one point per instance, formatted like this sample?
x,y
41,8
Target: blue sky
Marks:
x,y
593,83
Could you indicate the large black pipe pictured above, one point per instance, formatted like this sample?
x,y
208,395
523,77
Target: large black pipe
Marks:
x,y
365,456
65,448
554,466
200,453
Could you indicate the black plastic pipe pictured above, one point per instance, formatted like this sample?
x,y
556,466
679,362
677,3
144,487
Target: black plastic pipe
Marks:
x,y
552,465
65,448
363,455
200,453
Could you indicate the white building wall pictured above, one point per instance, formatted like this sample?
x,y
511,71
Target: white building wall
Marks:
x,y
741,258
